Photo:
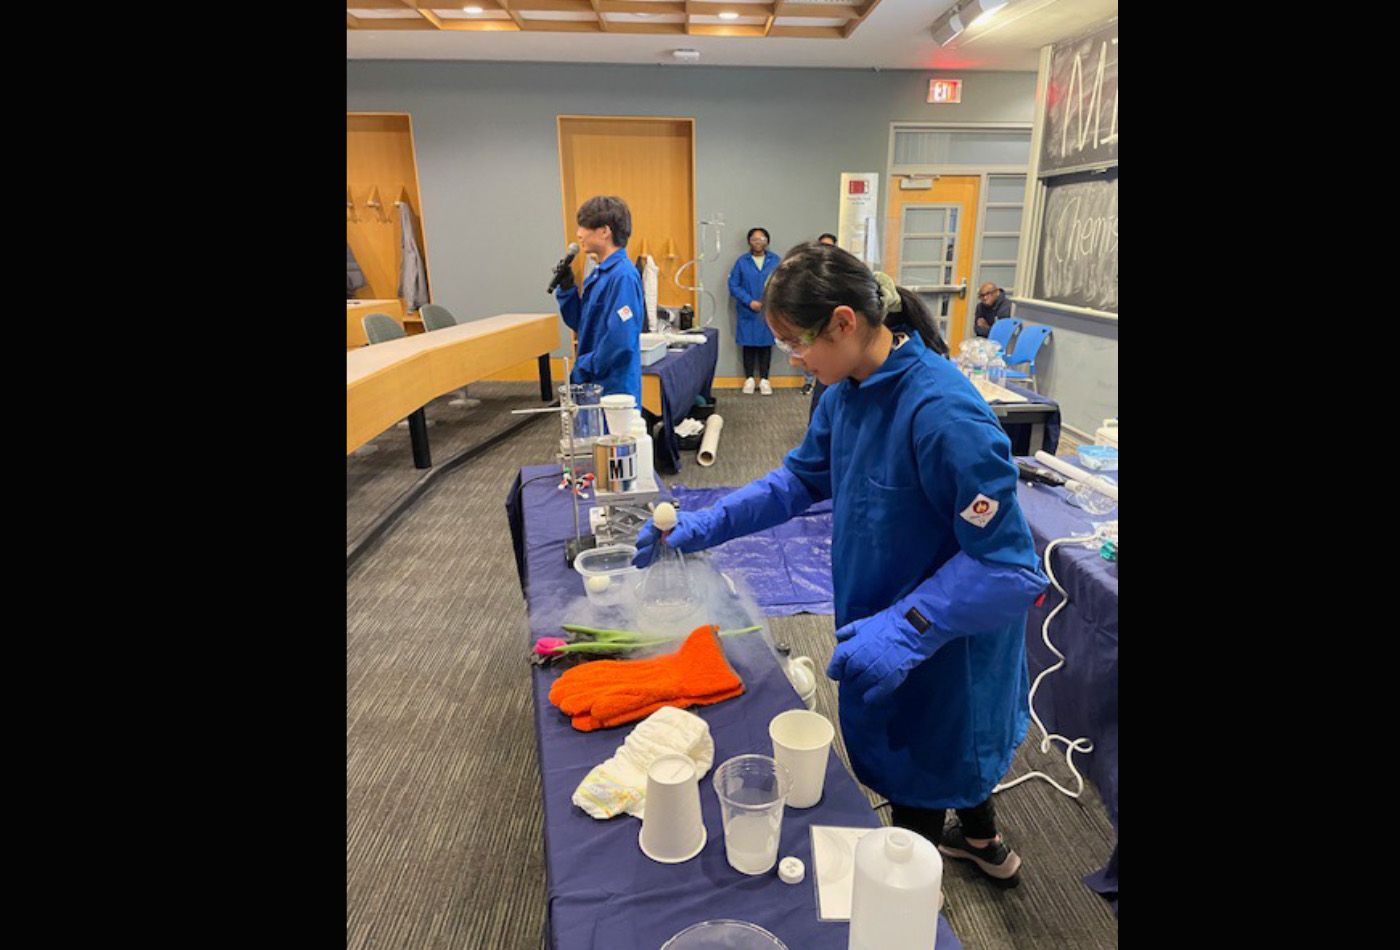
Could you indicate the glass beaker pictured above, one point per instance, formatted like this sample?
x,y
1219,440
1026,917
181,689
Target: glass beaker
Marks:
x,y
587,425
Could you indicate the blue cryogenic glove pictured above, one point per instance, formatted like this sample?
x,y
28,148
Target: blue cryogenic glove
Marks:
x,y
691,533
964,597
762,503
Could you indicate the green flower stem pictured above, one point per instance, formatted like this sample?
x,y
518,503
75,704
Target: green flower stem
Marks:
x,y
626,637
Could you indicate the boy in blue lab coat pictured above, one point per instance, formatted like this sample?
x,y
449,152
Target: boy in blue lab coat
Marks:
x,y
932,562
608,314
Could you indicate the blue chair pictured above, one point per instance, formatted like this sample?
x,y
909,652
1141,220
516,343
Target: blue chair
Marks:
x,y
1002,331
1028,344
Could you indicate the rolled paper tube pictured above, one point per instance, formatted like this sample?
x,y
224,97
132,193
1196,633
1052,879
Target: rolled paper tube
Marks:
x,y
1079,475
709,444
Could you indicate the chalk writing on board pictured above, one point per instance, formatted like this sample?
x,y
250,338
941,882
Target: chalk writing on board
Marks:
x,y
1079,244
1081,105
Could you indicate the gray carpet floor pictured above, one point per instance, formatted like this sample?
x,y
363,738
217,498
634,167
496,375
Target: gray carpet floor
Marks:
x,y
444,825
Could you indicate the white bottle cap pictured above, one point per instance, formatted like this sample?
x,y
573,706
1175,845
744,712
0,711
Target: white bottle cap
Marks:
x,y
791,870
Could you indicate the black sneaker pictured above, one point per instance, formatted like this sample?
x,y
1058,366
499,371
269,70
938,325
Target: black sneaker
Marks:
x,y
998,862
806,389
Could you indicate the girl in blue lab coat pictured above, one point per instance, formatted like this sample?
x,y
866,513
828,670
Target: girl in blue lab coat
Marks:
x,y
932,562
746,282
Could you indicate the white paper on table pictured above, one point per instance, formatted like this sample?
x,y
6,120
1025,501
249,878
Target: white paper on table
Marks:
x,y
834,856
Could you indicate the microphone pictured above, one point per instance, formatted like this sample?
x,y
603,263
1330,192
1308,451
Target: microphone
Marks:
x,y
563,268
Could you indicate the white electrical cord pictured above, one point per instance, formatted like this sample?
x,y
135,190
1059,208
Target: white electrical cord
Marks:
x,y
1076,745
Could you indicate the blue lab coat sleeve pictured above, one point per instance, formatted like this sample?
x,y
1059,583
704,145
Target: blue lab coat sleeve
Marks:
x,y
986,586
736,285
570,306
810,462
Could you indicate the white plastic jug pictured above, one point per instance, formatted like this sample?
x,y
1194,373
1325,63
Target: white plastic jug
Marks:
x,y
894,896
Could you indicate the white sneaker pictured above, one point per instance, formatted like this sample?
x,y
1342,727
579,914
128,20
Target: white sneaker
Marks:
x,y
748,386
764,388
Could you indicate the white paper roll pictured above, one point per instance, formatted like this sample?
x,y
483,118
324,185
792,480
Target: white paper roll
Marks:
x,y
1079,475
709,444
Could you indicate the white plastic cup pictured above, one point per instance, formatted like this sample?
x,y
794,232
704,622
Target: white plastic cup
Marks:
x,y
672,827
802,743
751,790
618,408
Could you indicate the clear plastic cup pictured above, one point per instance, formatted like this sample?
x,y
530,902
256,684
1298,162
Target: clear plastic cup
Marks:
x,y
752,790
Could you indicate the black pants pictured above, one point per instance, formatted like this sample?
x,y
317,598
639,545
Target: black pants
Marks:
x,y
979,821
757,358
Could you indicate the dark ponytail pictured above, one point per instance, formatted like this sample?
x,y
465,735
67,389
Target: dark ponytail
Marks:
x,y
915,315
815,279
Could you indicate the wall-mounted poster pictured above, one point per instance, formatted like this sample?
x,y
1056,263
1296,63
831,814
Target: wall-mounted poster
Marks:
x,y
857,227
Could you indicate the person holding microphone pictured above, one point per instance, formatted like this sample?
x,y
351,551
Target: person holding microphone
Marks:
x,y
607,313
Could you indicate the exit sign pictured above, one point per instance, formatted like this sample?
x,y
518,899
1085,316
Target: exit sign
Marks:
x,y
945,90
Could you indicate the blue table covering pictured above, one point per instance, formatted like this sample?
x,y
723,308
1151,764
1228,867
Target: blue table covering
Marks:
x,y
1020,432
1080,698
684,374
603,893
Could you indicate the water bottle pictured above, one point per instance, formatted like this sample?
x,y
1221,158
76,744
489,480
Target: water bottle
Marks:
x,y
996,371
894,897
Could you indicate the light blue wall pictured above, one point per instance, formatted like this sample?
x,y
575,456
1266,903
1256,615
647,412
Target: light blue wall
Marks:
x,y
1079,367
770,147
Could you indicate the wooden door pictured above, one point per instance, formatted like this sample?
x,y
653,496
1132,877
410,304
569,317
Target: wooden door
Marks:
x,y
650,164
929,236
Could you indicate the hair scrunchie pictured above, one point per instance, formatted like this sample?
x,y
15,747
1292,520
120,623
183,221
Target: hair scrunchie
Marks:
x,y
889,294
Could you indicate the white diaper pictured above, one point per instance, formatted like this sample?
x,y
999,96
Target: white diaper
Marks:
x,y
620,784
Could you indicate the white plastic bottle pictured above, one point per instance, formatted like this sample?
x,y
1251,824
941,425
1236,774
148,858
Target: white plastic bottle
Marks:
x,y
996,371
645,473
894,898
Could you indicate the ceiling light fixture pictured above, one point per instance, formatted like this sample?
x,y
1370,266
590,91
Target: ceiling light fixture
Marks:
x,y
472,9
975,10
726,15
948,28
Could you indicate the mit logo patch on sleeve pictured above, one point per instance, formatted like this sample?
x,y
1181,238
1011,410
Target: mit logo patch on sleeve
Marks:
x,y
981,511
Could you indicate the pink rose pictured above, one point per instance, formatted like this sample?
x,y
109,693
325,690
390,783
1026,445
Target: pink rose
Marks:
x,y
550,646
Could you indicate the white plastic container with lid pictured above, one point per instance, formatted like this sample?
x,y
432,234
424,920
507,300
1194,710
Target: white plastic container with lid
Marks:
x,y
894,897
606,572
646,474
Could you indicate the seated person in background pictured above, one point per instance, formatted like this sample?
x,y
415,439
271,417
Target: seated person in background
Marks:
x,y
992,305
607,314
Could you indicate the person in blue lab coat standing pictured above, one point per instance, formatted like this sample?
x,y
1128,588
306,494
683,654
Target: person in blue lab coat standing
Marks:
x,y
607,314
746,280
932,562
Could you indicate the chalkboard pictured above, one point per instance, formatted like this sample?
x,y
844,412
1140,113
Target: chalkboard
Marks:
x,y
1078,256
1081,104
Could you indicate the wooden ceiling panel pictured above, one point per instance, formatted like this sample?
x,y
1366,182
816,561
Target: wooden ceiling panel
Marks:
x,y
781,18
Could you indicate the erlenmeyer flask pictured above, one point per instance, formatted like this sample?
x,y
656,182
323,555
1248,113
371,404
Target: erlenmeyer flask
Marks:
x,y
666,591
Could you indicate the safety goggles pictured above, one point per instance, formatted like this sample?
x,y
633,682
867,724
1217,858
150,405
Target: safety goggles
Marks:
x,y
804,342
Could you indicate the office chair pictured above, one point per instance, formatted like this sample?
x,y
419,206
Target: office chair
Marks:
x,y
439,318
1028,344
381,328
1002,331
